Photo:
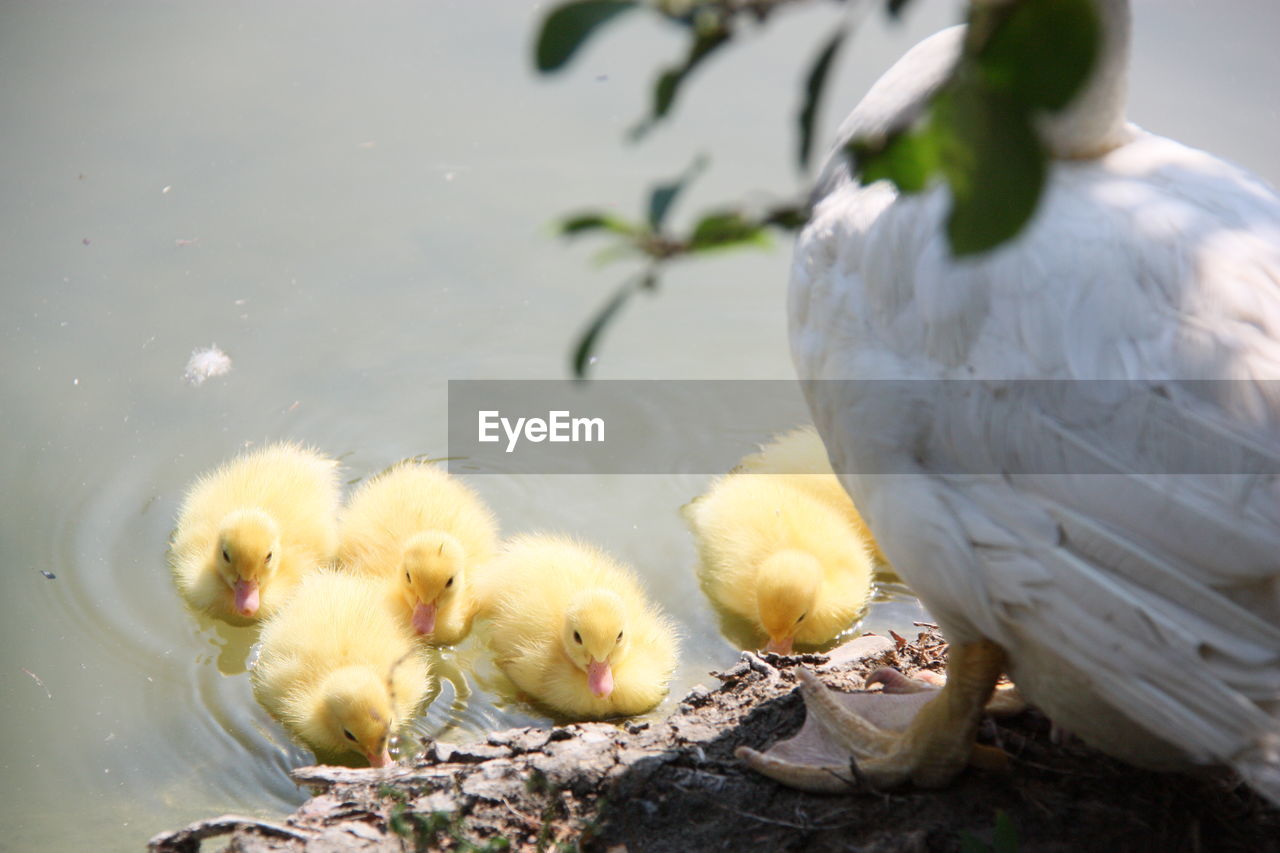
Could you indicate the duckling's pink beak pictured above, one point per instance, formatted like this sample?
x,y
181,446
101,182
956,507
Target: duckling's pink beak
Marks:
x,y
779,647
424,617
246,597
382,759
599,677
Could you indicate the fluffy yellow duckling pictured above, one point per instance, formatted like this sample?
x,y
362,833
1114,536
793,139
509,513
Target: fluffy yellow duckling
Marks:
x,y
777,556
249,529
571,627
338,669
417,525
800,458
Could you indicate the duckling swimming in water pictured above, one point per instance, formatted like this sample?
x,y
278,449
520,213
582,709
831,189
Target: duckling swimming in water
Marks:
x,y
250,529
572,628
429,532
338,669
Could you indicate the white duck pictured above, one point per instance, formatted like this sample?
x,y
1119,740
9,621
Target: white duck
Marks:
x,y
1140,610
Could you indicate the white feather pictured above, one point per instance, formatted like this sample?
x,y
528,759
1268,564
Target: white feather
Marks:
x,y
206,363
1120,540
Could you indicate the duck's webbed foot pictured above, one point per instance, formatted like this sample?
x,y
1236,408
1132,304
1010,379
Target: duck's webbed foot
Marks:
x,y
1005,700
883,740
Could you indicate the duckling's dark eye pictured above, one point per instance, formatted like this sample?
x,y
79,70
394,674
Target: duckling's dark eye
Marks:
x,y
802,615
349,735
225,555
577,638
406,578
449,582
619,637
268,558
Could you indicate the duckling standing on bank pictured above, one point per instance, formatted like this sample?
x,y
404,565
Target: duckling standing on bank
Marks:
x,y
248,531
339,670
571,627
415,522
782,553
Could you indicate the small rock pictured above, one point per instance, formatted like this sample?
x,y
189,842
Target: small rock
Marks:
x,y
363,830
436,801
693,730
339,837
858,649
758,665
587,757
520,740
467,753
319,805
739,669
700,780
494,781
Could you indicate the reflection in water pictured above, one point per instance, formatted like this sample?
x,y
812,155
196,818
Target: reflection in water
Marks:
x,y
886,601
234,644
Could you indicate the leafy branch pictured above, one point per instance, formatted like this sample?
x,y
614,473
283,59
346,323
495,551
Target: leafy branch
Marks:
x,y
977,133
656,245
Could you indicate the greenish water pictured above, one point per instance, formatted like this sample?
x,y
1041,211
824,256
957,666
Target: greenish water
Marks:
x,y
352,201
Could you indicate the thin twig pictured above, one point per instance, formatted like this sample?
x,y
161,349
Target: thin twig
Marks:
x,y
190,837
530,822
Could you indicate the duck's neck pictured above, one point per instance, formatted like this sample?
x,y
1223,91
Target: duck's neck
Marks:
x,y
1094,123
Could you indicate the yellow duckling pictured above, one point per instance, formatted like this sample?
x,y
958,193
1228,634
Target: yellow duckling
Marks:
x,y
248,530
571,627
775,555
338,669
426,530
800,457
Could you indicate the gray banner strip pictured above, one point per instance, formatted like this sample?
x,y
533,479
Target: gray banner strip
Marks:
x,y
961,426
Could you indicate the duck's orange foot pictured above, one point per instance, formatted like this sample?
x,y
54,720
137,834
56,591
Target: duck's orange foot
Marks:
x,y
877,741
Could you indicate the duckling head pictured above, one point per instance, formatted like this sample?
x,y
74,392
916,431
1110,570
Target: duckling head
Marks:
x,y
786,589
248,552
594,634
433,578
354,715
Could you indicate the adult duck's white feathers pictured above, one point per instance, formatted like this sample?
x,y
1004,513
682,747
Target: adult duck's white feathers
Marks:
x,y
1091,531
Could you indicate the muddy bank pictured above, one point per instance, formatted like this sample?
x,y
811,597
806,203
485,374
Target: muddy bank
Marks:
x,y
675,784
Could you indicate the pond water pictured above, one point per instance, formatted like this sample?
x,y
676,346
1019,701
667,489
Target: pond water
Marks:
x,y
353,202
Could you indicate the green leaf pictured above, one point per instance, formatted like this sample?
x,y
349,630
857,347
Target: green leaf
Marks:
x,y
585,222
908,158
587,341
670,80
1041,51
814,84
789,217
664,91
724,229
993,161
664,195
568,26
616,252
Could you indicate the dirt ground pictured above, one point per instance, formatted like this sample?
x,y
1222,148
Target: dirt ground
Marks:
x,y
675,785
